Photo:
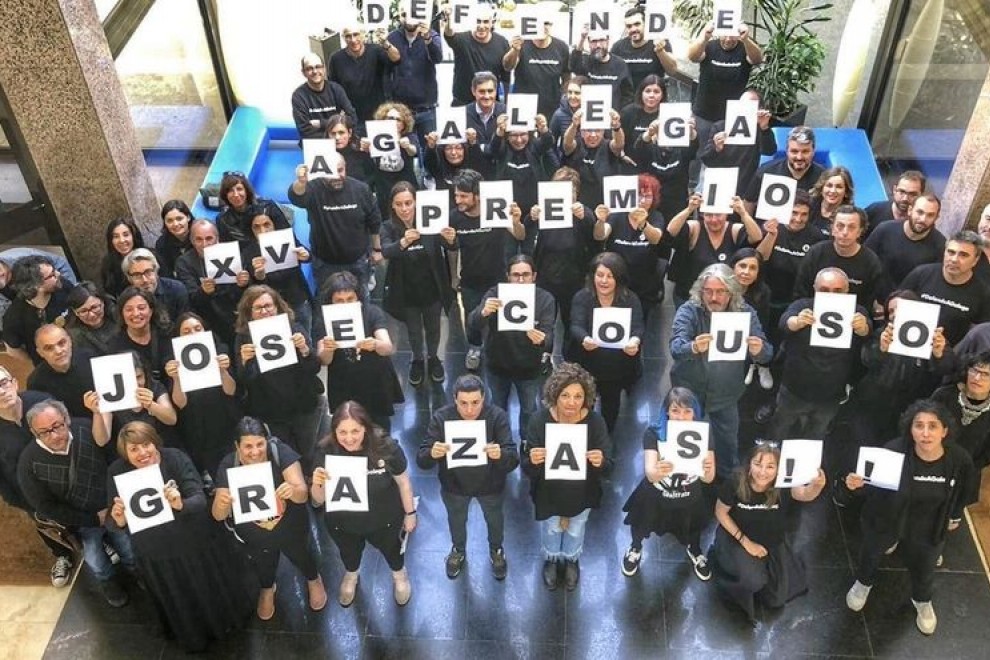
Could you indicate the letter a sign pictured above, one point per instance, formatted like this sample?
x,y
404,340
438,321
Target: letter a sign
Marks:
x,y
347,483
567,448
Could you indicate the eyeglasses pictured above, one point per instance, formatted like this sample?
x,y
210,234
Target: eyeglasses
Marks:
x,y
979,374
267,307
6,382
92,309
143,275
42,434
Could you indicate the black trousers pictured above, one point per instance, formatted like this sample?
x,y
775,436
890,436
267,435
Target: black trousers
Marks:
x,y
919,557
351,545
265,560
457,514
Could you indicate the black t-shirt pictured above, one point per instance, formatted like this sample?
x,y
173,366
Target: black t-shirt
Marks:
x,y
613,72
540,71
69,387
482,249
22,320
962,304
762,523
14,437
593,165
790,248
863,269
677,490
309,105
900,255
928,493
876,214
779,167
384,500
362,77
635,121
340,221
470,57
641,256
722,75
642,60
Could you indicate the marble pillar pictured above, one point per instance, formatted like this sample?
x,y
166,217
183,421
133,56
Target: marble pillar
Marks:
x,y
59,78
968,189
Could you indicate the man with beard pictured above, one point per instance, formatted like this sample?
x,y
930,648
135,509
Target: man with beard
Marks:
x,y
343,217
601,67
41,298
541,66
902,246
797,163
476,50
317,99
909,186
643,57
719,384
412,79
141,268
360,69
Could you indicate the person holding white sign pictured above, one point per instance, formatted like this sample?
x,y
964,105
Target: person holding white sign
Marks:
x,y
747,267
364,372
570,102
277,264
144,329
66,372
563,506
720,384
199,593
484,482
643,56
444,161
524,160
798,163
670,165
601,66
514,358
540,65
289,399
716,153
417,281
286,530
968,401
665,502
360,68
391,508
400,165
480,49
586,151
815,376
74,498
614,370
937,482
357,160
708,241
206,416
751,557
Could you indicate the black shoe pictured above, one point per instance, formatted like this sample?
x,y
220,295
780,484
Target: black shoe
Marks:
x,y
113,593
550,574
500,567
764,413
437,374
454,563
416,370
572,572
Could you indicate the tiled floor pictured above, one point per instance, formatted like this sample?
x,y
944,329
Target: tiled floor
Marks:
x,y
663,611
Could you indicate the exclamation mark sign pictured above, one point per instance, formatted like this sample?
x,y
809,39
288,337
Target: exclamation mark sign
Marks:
x,y
789,470
867,470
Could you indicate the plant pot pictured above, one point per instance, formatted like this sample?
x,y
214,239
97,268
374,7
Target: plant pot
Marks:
x,y
796,118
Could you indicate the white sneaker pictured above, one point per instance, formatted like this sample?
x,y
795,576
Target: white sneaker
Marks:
x,y
61,572
926,620
748,380
857,595
766,378
939,561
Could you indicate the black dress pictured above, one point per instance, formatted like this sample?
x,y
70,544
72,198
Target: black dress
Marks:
x,y
188,565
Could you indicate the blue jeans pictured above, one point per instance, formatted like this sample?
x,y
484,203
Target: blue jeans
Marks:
x,y
96,557
564,543
425,122
361,269
724,427
528,392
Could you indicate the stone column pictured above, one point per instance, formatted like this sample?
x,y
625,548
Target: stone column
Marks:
x,y
968,189
60,81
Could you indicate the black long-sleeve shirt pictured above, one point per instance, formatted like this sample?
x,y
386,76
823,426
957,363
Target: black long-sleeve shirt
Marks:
x,y
341,221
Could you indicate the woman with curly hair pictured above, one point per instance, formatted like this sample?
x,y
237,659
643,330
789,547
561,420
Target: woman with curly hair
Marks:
x,y
401,165
122,237
144,328
563,506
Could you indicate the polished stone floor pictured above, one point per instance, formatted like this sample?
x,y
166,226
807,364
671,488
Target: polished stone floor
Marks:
x,y
664,611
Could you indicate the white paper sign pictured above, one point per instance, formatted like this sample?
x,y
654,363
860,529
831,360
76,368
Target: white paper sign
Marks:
x,y
518,308
420,11
596,101
776,198
611,327
321,158
344,323
880,467
833,320
383,137
621,192
555,199
278,249
799,462
347,483
272,339
567,449
465,440
375,15
462,15
730,332
496,200
252,489
718,189
686,447
196,354
115,381
451,125
223,262
521,111
914,328
727,17
432,211
529,21
740,121
143,494
601,16
673,119
658,19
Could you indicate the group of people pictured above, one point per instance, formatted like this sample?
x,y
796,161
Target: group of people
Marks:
x,y
56,458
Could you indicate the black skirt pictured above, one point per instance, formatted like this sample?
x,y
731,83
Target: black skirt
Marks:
x,y
681,512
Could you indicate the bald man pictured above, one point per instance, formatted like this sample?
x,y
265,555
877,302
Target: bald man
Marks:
x,y
64,372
